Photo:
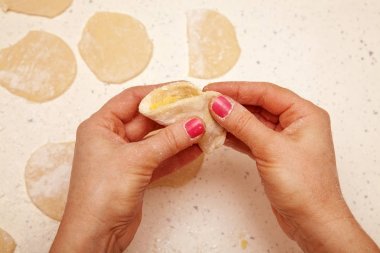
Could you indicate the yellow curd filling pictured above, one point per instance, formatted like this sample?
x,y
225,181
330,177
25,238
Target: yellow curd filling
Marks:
x,y
167,97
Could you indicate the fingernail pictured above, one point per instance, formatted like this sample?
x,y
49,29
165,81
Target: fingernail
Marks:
x,y
221,106
194,128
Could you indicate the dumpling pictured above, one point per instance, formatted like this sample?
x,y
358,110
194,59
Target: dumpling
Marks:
x,y
181,100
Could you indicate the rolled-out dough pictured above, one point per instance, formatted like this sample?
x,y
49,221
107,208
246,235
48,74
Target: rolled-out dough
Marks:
x,y
181,100
39,67
115,46
7,244
46,8
181,176
213,46
47,176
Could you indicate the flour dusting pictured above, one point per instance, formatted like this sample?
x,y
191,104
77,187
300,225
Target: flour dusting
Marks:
x,y
39,67
47,176
213,46
195,20
49,168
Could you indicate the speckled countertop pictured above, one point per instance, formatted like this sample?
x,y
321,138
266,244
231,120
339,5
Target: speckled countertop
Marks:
x,y
327,51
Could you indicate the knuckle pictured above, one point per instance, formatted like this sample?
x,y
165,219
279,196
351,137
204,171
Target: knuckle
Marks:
x,y
131,89
272,86
243,123
320,113
86,125
172,142
324,114
130,93
82,127
269,84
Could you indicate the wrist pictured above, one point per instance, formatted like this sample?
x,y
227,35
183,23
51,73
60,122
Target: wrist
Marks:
x,y
335,231
318,235
82,236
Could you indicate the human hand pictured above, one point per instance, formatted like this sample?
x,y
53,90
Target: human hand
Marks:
x,y
290,139
113,166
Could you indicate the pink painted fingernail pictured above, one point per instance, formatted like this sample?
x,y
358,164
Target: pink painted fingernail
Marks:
x,y
221,106
194,128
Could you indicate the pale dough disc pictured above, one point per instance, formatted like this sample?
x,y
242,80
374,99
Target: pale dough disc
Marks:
x,y
46,8
47,176
213,46
39,67
115,46
7,244
181,176
181,100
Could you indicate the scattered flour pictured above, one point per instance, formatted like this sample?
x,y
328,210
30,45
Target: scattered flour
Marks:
x,y
213,45
47,176
39,67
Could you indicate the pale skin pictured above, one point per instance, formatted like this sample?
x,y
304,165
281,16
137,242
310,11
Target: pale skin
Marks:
x,y
288,137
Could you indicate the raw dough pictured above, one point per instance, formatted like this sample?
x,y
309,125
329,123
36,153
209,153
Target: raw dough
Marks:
x,y
181,176
115,46
213,46
181,100
46,8
47,176
39,67
7,244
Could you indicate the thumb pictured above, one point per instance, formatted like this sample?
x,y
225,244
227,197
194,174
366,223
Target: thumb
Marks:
x,y
240,122
172,139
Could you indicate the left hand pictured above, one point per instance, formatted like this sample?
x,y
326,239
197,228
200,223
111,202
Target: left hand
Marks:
x,y
112,168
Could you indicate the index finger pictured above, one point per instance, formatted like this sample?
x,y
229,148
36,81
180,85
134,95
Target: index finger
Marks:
x,y
271,97
125,105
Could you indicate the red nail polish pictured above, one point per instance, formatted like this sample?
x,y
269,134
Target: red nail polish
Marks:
x,y
194,128
221,106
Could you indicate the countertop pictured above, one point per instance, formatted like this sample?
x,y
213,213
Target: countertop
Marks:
x,y
327,51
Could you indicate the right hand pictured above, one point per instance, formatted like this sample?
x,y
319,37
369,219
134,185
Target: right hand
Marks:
x,y
290,139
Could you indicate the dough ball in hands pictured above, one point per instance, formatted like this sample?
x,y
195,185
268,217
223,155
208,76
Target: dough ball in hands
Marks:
x,y
7,244
45,8
39,67
182,100
213,45
115,46
47,177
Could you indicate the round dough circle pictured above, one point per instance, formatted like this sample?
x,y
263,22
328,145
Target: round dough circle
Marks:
x,y
45,8
115,46
7,244
181,176
213,46
47,176
39,67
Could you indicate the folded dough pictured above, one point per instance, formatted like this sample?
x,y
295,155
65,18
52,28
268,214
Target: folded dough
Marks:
x,y
181,100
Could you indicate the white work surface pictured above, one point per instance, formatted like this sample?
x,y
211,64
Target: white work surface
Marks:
x,y
327,51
